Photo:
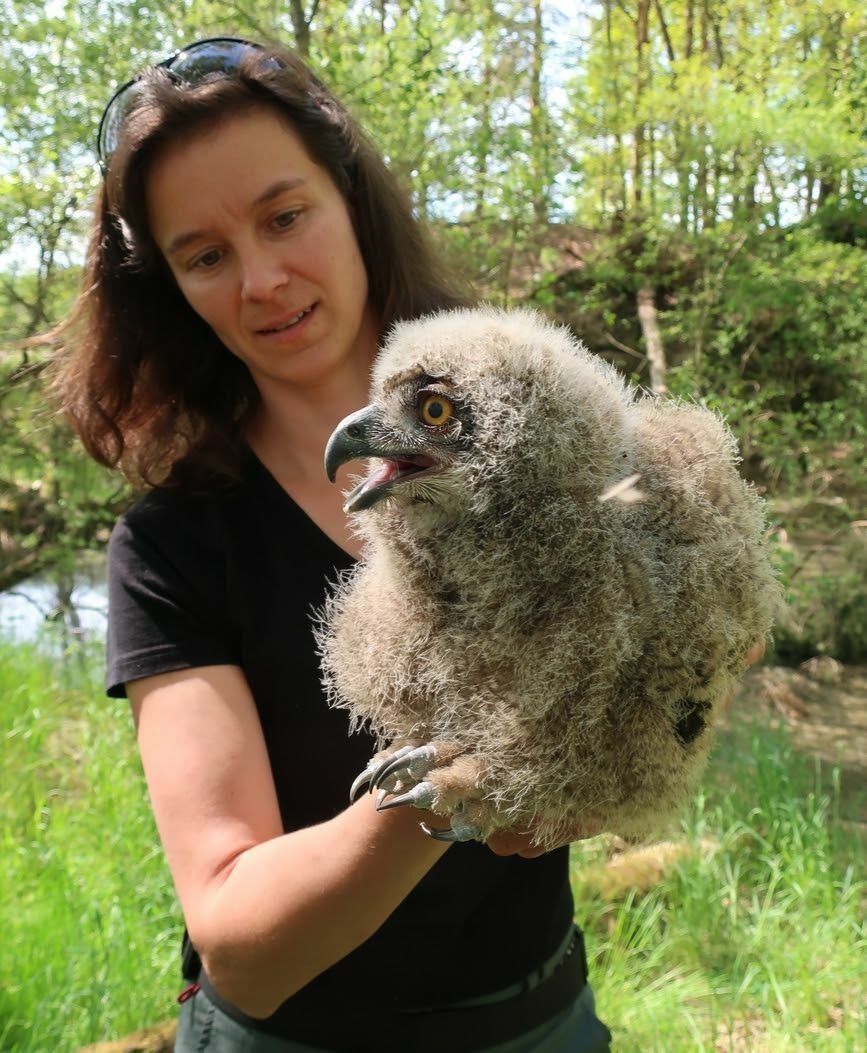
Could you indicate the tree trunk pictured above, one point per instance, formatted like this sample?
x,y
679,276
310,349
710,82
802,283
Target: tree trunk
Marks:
x,y
689,32
829,186
701,180
538,131
640,129
712,204
617,175
485,135
301,25
646,301
708,200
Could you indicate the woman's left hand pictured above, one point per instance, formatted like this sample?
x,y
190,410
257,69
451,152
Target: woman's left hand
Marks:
x,y
520,842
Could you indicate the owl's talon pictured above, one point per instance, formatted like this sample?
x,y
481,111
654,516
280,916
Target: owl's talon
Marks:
x,y
461,830
372,773
415,761
360,782
464,829
420,796
439,835
378,770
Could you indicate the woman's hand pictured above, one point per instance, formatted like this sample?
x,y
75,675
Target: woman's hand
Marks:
x,y
520,842
755,654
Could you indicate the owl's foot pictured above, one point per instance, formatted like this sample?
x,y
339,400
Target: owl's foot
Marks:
x,y
460,829
440,777
384,771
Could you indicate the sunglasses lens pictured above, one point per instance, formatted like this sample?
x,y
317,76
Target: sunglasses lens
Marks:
x,y
193,65
113,118
211,56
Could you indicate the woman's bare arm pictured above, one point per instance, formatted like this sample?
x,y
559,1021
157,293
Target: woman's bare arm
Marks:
x,y
267,911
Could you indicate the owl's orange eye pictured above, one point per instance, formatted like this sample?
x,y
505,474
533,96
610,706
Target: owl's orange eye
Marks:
x,y
436,410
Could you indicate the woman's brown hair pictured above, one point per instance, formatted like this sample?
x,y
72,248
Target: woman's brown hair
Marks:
x,y
148,386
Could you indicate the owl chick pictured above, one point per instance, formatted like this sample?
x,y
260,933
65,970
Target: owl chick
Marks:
x,y
560,584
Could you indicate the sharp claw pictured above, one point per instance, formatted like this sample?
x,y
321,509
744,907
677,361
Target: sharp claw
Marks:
x,y
384,767
421,796
439,835
388,768
360,782
369,773
404,758
461,830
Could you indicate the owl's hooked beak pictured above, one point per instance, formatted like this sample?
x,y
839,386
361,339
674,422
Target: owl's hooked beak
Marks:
x,y
364,434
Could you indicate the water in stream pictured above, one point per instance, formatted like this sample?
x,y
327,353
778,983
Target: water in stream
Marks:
x,y
33,605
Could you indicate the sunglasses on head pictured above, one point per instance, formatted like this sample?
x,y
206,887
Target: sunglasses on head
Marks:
x,y
214,57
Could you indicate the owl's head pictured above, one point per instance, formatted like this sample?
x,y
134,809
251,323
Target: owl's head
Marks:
x,y
482,407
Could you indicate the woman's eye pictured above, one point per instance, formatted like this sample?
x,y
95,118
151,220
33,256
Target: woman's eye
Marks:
x,y
207,260
436,410
284,220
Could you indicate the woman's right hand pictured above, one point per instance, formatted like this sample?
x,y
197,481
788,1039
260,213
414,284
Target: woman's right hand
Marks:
x,y
267,911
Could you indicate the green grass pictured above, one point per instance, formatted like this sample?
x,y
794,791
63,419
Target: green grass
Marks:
x,y
90,930
758,945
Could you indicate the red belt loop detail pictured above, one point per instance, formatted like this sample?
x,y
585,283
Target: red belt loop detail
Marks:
x,y
188,993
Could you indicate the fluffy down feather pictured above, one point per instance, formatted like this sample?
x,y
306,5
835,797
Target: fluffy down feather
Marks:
x,y
562,632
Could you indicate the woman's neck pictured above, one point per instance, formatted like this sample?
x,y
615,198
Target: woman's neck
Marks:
x,y
289,431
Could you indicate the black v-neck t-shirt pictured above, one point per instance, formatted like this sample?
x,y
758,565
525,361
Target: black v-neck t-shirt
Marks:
x,y
233,577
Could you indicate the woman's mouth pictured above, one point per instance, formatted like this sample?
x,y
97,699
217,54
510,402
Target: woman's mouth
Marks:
x,y
289,323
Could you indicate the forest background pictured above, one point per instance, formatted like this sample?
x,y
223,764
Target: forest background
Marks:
x,y
681,181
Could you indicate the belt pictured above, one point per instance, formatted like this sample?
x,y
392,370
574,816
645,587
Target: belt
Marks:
x,y
571,943
461,1027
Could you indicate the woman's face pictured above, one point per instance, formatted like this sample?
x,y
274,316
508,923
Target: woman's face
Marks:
x,y
261,244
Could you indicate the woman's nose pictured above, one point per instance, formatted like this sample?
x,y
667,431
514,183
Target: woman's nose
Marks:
x,y
261,274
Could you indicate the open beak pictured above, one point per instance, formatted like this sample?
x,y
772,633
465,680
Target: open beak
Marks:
x,y
352,439
364,434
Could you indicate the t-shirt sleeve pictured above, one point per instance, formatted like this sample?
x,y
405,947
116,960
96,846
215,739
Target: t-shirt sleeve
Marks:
x,y
167,606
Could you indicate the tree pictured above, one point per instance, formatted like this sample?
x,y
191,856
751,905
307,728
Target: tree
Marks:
x,y
683,134
734,108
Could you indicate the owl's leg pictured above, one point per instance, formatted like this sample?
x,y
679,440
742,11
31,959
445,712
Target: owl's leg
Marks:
x,y
392,769
460,829
372,774
440,777
451,786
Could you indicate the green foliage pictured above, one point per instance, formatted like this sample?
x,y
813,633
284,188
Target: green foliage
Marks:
x,y
777,343
91,928
767,328
826,613
697,114
53,500
842,221
764,932
756,940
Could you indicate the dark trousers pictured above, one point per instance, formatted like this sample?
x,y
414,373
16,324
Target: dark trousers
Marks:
x,y
204,1027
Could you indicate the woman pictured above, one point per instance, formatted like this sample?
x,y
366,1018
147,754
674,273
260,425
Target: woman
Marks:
x,y
250,250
